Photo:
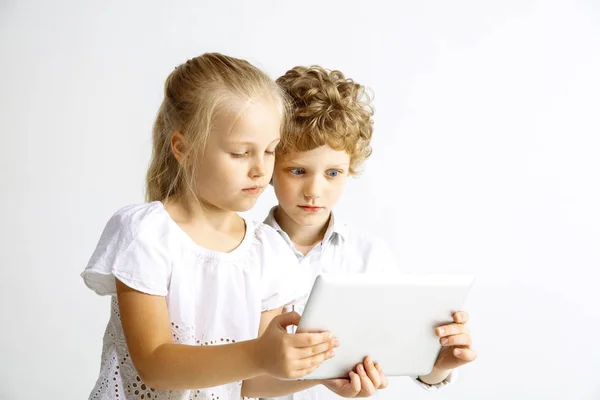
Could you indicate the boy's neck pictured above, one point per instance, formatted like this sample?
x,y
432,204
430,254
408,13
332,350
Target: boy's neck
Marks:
x,y
304,236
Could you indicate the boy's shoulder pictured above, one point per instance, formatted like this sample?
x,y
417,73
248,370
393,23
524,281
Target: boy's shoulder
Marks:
x,y
365,252
355,235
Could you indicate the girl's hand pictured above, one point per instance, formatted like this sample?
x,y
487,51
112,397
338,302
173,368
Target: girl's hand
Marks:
x,y
292,356
363,383
456,343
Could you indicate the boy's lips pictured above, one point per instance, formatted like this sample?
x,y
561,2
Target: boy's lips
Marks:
x,y
311,208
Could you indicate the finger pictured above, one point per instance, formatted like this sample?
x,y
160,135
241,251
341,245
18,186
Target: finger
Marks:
x,y
309,339
461,317
315,360
286,319
467,355
451,329
456,340
384,379
318,349
366,386
303,372
354,383
372,372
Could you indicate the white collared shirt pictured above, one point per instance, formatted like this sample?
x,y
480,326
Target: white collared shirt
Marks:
x,y
349,250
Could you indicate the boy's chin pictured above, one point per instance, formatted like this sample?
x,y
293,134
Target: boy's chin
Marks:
x,y
312,219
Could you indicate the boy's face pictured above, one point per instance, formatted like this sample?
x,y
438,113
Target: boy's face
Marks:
x,y
308,184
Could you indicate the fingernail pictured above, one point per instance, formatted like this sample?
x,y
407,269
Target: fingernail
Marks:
x,y
360,368
457,352
336,342
441,331
444,341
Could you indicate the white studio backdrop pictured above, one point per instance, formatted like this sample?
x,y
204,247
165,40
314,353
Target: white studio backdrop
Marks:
x,y
486,160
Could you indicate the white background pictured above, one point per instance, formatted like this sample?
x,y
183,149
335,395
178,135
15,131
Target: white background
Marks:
x,y
486,160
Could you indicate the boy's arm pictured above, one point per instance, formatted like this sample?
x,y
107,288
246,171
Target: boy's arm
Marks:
x,y
385,257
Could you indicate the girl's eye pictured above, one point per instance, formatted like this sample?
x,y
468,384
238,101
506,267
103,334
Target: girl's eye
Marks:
x,y
332,173
239,155
271,153
297,171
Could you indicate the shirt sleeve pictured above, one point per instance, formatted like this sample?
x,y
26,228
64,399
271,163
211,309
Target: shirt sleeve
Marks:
x,y
449,379
382,257
133,248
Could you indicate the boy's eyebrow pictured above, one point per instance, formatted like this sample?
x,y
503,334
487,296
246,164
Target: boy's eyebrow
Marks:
x,y
301,164
341,165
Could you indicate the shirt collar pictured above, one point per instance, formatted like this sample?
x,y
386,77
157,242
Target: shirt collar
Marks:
x,y
335,228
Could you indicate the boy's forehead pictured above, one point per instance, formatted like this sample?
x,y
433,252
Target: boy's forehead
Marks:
x,y
320,155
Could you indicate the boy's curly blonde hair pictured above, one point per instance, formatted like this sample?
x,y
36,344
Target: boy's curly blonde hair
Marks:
x,y
326,108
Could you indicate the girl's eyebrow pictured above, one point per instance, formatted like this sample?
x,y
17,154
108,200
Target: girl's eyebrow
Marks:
x,y
247,143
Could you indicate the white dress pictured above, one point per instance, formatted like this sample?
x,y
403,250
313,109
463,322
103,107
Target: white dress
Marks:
x,y
213,298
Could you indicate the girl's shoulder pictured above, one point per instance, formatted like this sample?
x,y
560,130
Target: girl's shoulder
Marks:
x,y
134,248
142,218
267,241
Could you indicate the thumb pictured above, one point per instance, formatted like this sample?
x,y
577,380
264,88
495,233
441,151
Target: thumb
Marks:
x,y
286,319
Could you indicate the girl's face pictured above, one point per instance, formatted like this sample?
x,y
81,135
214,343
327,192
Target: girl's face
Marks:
x,y
238,160
308,184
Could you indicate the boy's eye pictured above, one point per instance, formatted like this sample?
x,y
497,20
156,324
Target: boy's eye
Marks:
x,y
271,153
332,173
297,171
239,155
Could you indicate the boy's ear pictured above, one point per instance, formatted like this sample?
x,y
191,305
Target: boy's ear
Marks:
x,y
178,146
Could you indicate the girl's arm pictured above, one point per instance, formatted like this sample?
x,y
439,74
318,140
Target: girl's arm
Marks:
x,y
164,365
265,385
363,383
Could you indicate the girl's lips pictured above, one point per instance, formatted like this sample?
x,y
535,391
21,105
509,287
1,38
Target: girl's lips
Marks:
x,y
253,190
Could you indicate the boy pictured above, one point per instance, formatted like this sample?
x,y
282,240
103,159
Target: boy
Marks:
x,y
325,139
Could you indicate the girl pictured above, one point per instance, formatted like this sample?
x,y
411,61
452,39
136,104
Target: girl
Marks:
x,y
184,270
325,140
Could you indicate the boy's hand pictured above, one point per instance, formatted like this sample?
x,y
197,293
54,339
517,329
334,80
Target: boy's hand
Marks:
x,y
456,343
363,383
284,355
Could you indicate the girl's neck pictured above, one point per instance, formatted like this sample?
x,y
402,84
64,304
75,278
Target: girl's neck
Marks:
x,y
192,212
305,237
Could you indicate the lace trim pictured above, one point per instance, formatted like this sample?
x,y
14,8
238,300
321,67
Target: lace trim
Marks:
x,y
120,380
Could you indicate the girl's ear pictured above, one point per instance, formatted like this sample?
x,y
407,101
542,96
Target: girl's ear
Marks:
x,y
178,146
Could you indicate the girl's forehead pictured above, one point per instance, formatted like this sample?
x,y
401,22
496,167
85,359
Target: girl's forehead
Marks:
x,y
256,122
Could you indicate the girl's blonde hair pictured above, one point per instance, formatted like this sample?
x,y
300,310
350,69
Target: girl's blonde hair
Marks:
x,y
326,108
193,95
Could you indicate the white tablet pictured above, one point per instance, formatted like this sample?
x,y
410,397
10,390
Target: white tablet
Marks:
x,y
390,317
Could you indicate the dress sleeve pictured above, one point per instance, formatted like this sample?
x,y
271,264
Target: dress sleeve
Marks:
x,y
133,248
